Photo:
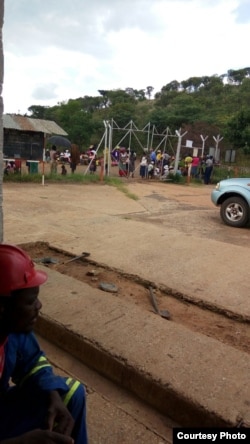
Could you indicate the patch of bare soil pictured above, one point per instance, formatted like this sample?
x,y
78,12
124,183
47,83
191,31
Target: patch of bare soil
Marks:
x,y
198,317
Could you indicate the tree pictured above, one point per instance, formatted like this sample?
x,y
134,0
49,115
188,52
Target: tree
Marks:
x,y
90,104
237,130
105,99
76,122
207,99
136,94
193,84
38,111
165,98
122,113
119,96
130,92
165,118
149,90
236,77
172,86
212,84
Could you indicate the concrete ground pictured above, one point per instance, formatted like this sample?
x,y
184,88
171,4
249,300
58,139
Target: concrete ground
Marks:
x,y
171,235
114,415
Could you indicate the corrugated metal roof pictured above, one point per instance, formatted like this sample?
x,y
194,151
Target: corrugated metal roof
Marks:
x,y
21,123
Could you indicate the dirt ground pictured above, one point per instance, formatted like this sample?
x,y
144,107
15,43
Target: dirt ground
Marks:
x,y
135,289
183,205
128,242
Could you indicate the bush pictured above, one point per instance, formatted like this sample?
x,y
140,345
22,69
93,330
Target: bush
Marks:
x,y
37,178
176,178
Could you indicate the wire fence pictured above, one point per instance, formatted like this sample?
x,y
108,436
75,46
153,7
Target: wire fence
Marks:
x,y
225,171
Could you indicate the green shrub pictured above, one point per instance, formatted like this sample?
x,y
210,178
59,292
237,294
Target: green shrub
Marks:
x,y
176,178
52,178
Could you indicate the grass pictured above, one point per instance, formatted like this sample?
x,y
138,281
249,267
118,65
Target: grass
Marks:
x,y
117,183
227,172
76,178
219,173
52,178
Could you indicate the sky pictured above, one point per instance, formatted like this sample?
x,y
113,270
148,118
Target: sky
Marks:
x,y
56,50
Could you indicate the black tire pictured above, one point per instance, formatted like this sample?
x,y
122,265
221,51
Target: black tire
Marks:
x,y
234,212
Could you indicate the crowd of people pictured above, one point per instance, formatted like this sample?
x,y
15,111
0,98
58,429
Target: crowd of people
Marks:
x,y
151,164
158,164
67,157
10,168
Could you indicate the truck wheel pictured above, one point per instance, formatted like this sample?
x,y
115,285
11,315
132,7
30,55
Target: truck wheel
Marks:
x,y
234,211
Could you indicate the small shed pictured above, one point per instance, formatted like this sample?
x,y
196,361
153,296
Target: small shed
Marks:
x,y
24,136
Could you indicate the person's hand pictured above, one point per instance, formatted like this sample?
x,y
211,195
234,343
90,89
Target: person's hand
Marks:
x,y
40,437
58,418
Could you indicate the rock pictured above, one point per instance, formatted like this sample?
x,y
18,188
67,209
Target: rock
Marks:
x,y
46,260
93,273
111,288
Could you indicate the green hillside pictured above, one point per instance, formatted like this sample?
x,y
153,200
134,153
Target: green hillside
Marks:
x,y
208,106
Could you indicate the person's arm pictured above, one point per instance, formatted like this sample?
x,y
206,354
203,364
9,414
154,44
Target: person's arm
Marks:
x,y
32,369
58,417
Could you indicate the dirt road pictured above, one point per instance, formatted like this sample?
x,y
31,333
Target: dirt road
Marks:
x,y
171,234
53,207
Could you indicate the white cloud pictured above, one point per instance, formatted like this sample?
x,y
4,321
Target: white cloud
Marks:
x,y
55,50
243,12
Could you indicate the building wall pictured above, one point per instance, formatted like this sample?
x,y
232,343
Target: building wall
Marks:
x,y
1,119
23,144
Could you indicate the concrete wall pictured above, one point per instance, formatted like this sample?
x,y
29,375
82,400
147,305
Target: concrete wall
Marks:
x,y
1,118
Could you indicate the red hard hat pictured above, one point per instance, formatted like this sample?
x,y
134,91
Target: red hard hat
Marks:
x,y
17,270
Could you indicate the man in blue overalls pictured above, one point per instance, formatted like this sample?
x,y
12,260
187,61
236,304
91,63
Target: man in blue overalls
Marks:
x,y
38,407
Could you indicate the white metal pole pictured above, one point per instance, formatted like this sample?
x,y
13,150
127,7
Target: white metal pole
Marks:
x,y
110,144
106,133
149,127
217,140
177,157
90,163
152,138
44,143
130,134
106,123
203,144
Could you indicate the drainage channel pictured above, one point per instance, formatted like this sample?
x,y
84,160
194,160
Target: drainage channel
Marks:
x,y
184,409
198,316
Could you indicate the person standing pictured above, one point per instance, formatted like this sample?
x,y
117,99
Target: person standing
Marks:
x,y
151,170
152,155
64,170
47,156
131,163
144,167
74,157
158,158
195,167
53,160
188,164
106,160
209,164
123,162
